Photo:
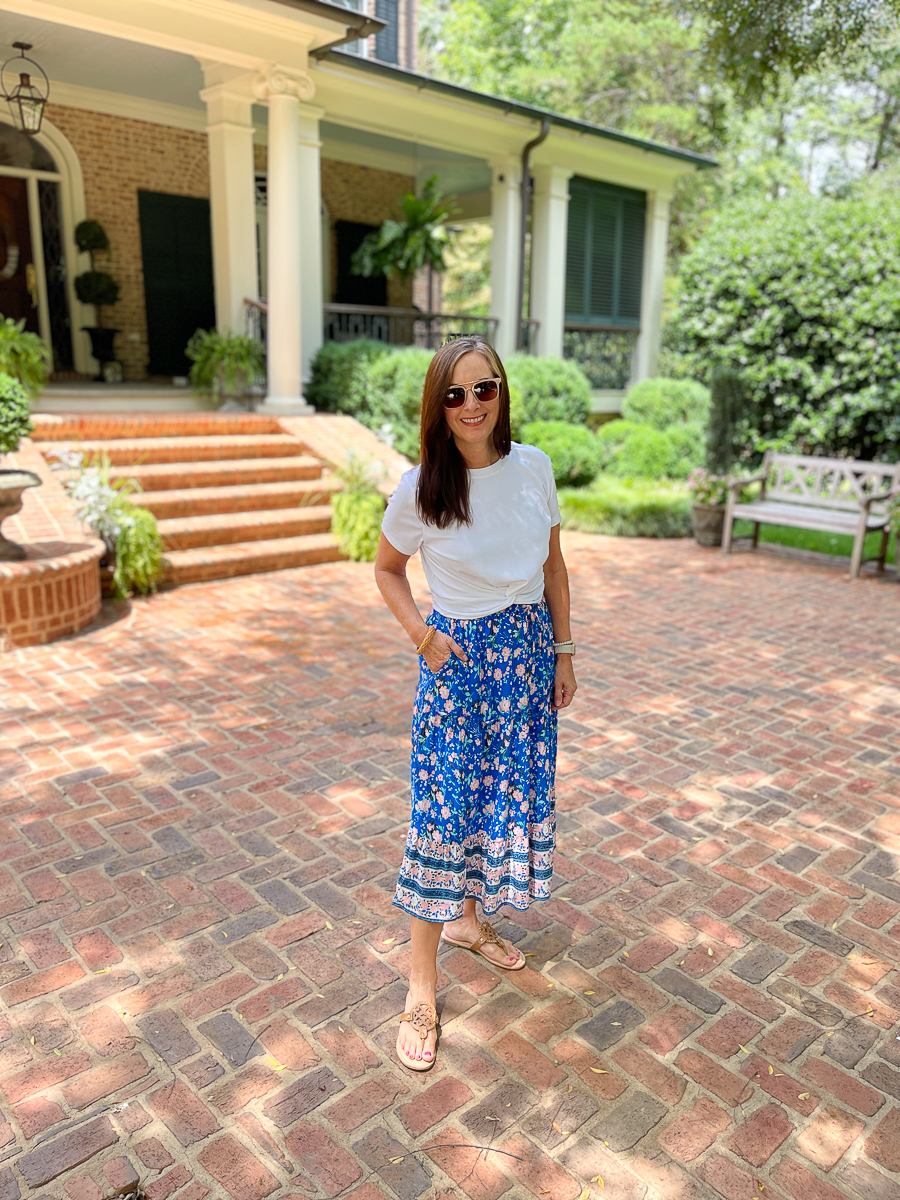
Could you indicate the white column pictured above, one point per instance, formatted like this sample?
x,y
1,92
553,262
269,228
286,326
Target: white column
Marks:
x,y
549,223
229,125
506,215
310,217
282,88
656,241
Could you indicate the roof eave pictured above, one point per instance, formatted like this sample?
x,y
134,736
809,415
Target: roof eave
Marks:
x,y
701,162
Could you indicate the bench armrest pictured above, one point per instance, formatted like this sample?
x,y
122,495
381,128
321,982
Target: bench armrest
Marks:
x,y
739,483
870,500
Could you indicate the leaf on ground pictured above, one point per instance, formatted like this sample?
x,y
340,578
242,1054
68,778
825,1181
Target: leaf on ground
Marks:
x,y
585,1193
599,1181
396,1160
388,941
803,1096
589,993
771,1070
597,1071
328,925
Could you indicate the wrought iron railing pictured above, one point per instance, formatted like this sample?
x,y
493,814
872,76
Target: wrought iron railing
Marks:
x,y
604,353
400,326
255,315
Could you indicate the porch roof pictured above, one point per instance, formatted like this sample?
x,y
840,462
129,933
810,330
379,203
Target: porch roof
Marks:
x,y
427,82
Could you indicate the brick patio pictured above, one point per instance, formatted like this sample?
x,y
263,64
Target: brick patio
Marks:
x,y
203,808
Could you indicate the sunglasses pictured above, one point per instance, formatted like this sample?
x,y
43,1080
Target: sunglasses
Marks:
x,y
484,390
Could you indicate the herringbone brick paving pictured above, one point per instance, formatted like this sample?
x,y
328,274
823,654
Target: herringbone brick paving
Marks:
x,y
204,807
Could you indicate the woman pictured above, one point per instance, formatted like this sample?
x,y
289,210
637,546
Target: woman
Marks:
x,y
496,664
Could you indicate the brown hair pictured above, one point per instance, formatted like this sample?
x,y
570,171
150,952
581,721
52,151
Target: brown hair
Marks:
x,y
442,493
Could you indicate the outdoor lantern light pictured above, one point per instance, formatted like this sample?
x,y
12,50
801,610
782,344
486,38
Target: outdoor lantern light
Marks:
x,y
26,100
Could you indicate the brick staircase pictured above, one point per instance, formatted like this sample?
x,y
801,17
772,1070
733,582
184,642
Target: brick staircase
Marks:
x,y
233,493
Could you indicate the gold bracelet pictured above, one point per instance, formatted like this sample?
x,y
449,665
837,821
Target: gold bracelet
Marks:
x,y
426,640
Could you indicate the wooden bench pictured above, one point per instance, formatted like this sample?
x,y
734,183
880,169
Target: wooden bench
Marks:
x,y
834,495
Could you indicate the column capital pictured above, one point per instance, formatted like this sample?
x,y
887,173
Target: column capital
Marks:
x,y
552,180
228,96
277,80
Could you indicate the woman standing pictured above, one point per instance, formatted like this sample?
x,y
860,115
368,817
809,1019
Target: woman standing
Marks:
x,y
496,664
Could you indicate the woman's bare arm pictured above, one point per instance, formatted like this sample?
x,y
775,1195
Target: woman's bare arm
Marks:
x,y
556,593
390,575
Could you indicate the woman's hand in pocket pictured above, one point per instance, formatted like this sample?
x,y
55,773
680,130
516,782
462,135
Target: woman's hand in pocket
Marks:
x,y
440,650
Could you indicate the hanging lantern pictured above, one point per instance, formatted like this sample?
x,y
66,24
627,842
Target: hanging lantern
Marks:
x,y
27,99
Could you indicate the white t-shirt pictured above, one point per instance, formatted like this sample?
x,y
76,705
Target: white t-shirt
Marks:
x,y
478,569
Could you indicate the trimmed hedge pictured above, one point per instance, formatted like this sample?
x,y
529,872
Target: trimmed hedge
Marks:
x,y
333,369
386,395
630,450
573,449
546,389
664,402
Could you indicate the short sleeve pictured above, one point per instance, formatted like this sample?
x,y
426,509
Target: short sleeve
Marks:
x,y
402,525
552,500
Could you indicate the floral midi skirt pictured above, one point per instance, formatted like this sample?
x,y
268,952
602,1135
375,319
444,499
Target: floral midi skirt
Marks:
x,y
483,769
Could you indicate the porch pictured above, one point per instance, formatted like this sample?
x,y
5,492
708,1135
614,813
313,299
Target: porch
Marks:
x,y
240,159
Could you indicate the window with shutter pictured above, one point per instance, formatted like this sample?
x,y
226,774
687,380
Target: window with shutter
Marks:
x,y
386,45
605,254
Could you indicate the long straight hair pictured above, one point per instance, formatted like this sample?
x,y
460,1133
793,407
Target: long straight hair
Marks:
x,y
442,493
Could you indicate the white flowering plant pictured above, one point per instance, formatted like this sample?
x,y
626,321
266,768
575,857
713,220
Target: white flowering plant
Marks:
x,y
128,530
705,488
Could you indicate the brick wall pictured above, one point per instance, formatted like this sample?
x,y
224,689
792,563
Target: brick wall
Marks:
x,y
120,156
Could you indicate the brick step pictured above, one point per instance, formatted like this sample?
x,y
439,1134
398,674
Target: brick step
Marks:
x,y
127,452
248,558
164,477
93,426
249,497
219,529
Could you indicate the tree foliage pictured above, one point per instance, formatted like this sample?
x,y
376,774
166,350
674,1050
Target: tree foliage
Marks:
x,y
755,44
800,299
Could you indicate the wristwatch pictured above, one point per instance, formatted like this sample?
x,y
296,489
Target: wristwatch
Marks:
x,y
564,648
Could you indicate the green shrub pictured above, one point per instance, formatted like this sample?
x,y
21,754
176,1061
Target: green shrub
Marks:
x,y
573,449
356,522
800,297
23,355
726,428
15,414
333,368
627,508
386,394
96,287
630,450
664,402
225,364
546,389
139,558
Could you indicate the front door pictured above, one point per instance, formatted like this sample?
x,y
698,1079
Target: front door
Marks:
x,y
176,247
18,280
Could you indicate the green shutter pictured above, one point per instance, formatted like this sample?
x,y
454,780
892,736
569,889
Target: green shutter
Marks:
x,y
605,254
576,253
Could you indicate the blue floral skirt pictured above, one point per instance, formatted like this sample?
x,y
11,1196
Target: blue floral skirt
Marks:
x,y
483,769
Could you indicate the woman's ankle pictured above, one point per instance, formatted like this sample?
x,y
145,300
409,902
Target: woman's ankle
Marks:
x,y
423,982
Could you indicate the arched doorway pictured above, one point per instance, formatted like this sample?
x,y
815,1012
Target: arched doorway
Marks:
x,y
33,238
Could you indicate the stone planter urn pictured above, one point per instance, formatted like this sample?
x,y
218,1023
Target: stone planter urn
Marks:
x,y
102,348
708,521
12,484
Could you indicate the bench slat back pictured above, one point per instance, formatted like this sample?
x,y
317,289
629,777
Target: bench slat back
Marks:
x,y
829,482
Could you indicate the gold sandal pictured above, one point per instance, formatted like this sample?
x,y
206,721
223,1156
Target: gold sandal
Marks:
x,y
423,1018
488,936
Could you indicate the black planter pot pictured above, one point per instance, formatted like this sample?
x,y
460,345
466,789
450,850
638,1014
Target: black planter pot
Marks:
x,y
101,344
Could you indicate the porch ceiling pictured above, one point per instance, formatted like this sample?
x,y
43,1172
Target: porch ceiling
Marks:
x,y
462,174
107,64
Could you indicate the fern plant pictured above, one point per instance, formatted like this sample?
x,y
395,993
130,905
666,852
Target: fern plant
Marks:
x,y
225,364
139,552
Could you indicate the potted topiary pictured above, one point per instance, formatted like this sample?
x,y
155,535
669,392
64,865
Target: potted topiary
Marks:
x,y
226,365
98,288
709,494
15,423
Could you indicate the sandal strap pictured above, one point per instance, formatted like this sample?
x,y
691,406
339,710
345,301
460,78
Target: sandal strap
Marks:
x,y
488,936
423,1018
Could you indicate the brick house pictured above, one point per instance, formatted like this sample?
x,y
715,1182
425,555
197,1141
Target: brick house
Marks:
x,y
238,149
